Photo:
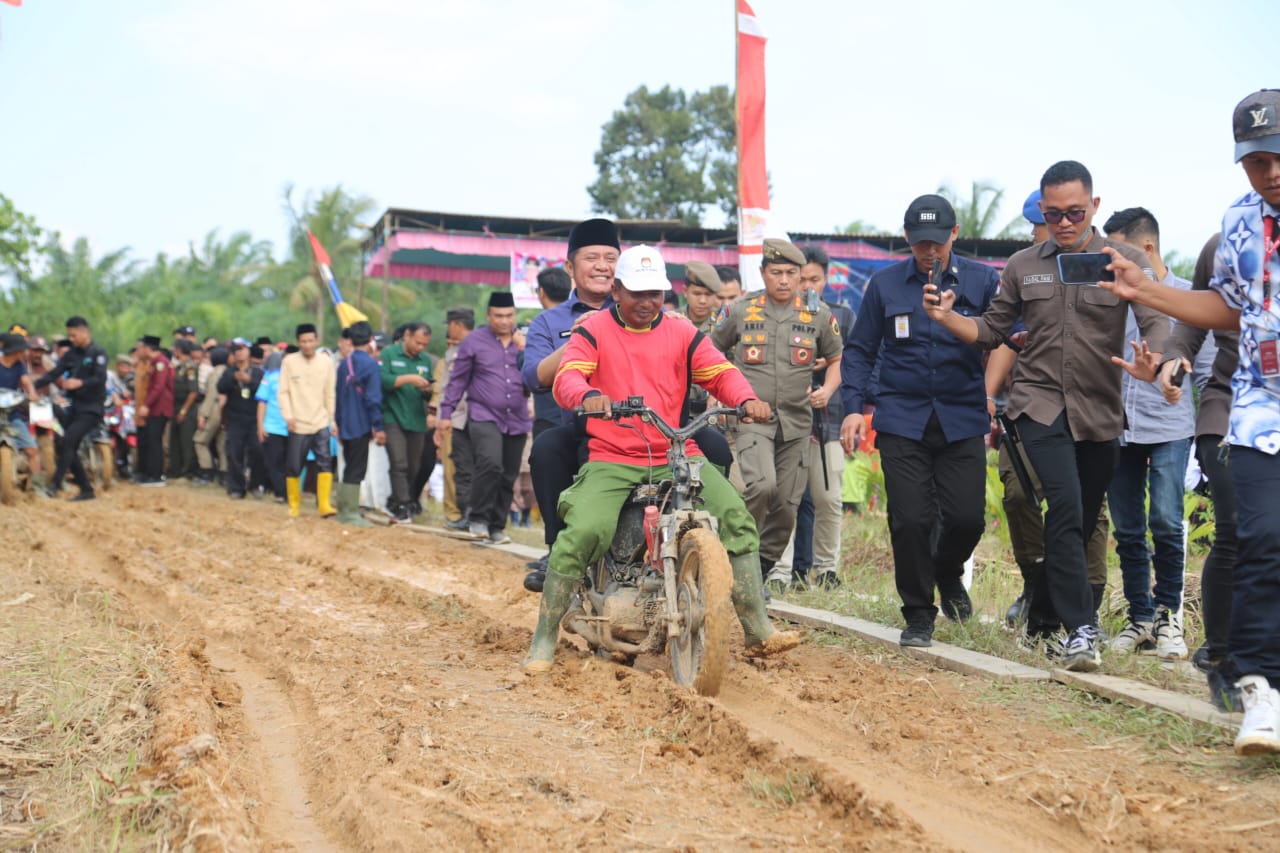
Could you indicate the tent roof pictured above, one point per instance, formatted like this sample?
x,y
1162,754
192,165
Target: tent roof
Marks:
x,y
477,247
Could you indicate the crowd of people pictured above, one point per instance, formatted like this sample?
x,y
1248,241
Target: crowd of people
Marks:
x,y
1096,390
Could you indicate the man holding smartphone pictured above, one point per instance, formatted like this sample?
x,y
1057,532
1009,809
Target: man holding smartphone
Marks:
x,y
1147,490
1242,295
1065,399
406,385
931,414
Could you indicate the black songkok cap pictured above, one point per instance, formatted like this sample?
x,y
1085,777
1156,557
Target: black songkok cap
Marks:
x,y
152,341
593,232
502,299
304,328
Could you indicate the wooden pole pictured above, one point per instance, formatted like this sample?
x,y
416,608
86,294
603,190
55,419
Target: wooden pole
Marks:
x,y
386,272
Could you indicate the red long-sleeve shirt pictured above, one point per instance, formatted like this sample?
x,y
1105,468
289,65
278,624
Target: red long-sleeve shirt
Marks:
x,y
159,400
606,355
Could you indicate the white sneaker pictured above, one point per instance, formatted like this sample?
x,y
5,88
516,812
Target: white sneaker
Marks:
x,y
1136,637
1260,731
1170,644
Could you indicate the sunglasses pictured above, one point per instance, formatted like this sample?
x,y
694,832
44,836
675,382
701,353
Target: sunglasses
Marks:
x,y
1053,217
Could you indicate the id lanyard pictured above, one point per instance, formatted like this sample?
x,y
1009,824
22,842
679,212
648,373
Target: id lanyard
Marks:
x,y
1269,247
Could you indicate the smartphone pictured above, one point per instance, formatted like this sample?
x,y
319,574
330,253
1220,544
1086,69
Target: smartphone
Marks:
x,y
1084,268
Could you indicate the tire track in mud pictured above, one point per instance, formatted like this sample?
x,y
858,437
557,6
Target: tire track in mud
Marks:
x,y
252,721
599,739
397,657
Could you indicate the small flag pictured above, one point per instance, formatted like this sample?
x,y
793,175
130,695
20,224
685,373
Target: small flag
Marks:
x,y
347,314
838,275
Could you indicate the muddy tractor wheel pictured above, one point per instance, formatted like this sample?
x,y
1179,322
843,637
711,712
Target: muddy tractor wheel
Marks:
x,y
700,654
8,476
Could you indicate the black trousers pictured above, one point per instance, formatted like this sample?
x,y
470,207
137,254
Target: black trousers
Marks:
x,y
426,465
273,453
355,459
296,447
182,445
151,447
1216,579
464,464
404,452
243,451
1074,476
936,491
74,430
1254,640
558,452
497,463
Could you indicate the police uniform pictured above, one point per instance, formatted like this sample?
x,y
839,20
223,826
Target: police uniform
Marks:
x,y
775,347
182,448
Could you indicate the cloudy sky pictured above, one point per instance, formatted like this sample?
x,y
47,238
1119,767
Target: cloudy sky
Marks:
x,y
147,123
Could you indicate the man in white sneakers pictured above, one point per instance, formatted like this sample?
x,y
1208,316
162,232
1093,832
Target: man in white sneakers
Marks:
x,y
1242,294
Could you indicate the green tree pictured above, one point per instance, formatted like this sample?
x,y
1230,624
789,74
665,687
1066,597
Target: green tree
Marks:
x,y
19,238
976,215
668,155
860,227
334,216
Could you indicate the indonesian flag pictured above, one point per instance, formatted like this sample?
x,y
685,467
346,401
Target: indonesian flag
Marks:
x,y
753,176
347,314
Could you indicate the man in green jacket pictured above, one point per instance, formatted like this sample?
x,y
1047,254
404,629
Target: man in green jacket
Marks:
x,y
406,382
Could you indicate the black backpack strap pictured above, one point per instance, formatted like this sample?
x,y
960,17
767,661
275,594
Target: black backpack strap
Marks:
x,y
688,375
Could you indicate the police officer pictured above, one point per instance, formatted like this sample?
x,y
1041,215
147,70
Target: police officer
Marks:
x,y
701,295
702,309
186,403
774,339
81,373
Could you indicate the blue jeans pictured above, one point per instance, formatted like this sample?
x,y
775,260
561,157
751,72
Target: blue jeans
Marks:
x,y
1160,468
1255,596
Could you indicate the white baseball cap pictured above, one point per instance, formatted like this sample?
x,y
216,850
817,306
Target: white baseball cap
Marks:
x,y
641,268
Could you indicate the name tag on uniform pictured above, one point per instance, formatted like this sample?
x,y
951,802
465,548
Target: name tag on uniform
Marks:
x,y
244,393
1269,358
902,326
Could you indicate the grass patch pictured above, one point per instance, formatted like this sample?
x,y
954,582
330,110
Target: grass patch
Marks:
x,y
868,592
74,724
1097,720
795,787
444,606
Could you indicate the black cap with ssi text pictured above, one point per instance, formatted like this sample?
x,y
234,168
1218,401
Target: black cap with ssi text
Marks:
x,y
930,217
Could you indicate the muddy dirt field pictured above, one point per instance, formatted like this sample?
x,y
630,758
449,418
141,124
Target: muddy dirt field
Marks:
x,y
322,688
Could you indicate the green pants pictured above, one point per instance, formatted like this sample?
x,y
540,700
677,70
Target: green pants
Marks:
x,y
591,505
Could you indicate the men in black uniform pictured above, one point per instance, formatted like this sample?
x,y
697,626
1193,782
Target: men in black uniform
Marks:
x,y
81,373
931,415
239,383
186,403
